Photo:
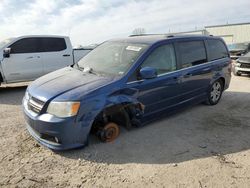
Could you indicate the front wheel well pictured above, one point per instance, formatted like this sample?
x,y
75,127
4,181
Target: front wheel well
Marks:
x,y
122,114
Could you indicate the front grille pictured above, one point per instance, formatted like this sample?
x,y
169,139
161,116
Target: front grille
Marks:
x,y
35,105
245,65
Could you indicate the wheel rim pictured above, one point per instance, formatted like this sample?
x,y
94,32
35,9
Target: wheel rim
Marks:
x,y
111,132
215,92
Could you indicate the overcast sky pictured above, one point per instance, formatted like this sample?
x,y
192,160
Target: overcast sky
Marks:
x,y
93,21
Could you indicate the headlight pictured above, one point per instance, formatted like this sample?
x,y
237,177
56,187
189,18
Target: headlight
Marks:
x,y
237,64
63,109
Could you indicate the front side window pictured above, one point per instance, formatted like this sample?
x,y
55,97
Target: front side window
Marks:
x,y
112,58
26,45
38,44
217,49
162,59
192,53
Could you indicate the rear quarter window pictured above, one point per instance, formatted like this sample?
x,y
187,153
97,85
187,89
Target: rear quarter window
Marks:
x,y
192,53
216,49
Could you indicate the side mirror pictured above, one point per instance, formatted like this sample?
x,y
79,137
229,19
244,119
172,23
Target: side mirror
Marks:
x,y
6,52
148,73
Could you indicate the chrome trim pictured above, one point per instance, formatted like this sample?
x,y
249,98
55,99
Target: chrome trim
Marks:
x,y
34,105
25,102
207,63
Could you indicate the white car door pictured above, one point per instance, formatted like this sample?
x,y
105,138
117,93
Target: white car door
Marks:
x,y
24,63
57,54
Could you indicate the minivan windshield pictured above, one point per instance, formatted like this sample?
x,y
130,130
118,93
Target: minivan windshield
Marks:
x,y
4,42
112,58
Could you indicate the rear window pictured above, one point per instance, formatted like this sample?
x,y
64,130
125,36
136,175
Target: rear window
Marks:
x,y
216,49
52,44
192,53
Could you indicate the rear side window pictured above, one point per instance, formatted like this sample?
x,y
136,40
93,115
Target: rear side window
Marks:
x,y
52,44
192,53
217,49
162,58
26,45
38,44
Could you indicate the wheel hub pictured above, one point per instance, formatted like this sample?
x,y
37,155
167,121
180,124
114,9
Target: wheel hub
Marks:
x,y
110,132
215,92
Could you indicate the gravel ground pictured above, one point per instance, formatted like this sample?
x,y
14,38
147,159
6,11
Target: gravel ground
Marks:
x,y
201,146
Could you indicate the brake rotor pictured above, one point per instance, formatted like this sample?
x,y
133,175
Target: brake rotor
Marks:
x,y
110,132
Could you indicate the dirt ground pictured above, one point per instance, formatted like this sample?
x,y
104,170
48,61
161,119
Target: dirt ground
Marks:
x,y
201,146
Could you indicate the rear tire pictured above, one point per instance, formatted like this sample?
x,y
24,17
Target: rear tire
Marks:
x,y
215,92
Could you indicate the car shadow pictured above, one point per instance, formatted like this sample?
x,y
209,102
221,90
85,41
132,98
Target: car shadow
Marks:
x,y
12,95
196,132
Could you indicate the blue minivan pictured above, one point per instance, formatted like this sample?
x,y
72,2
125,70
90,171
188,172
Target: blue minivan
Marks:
x,y
125,82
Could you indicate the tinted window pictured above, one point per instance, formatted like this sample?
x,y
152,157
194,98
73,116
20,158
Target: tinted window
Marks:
x,y
217,49
52,44
38,44
192,53
162,58
28,45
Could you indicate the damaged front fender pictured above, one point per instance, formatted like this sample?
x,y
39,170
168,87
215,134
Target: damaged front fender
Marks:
x,y
103,109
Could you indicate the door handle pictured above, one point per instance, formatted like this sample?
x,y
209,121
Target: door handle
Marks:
x,y
29,57
177,79
206,70
66,55
187,75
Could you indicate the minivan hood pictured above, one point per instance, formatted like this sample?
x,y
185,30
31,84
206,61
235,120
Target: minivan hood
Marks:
x,y
65,80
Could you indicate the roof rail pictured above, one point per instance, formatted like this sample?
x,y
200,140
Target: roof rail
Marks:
x,y
139,35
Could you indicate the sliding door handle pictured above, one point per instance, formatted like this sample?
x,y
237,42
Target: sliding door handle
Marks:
x,y
187,75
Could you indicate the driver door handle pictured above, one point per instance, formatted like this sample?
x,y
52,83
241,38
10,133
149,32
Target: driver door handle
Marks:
x,y
187,75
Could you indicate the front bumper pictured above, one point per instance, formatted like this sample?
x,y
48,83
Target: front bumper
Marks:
x,y
243,70
56,133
